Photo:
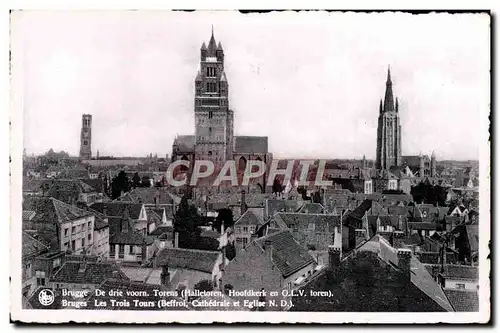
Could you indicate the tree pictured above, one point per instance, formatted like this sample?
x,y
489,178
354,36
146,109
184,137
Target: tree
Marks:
x,y
145,182
186,223
136,180
428,193
119,184
225,215
204,285
230,251
277,187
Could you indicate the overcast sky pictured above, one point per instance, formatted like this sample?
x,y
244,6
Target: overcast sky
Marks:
x,y
311,81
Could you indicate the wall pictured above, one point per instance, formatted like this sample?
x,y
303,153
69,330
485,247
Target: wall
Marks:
x,y
101,242
84,230
452,284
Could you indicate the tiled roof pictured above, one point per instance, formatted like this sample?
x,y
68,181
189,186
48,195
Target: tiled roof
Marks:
x,y
198,260
389,220
463,300
210,234
33,185
70,185
28,215
88,273
153,216
322,222
50,210
148,194
277,205
423,226
419,276
249,218
461,272
31,246
312,208
287,254
96,184
250,144
397,210
185,143
164,229
118,208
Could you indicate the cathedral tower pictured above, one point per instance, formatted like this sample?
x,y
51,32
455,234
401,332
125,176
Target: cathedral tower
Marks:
x,y
389,130
86,137
213,119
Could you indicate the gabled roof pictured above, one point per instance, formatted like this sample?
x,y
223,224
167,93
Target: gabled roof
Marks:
x,y
185,143
118,208
31,246
249,218
419,276
322,222
311,208
50,210
198,260
286,253
87,273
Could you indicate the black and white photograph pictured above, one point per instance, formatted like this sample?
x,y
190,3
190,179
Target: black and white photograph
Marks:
x,y
264,167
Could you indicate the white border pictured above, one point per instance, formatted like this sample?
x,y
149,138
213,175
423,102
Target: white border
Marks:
x,y
208,317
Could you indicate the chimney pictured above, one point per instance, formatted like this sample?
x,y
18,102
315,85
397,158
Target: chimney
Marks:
x,y
165,277
268,247
176,240
404,262
334,255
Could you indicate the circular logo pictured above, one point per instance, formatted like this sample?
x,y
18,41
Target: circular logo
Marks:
x,y
46,297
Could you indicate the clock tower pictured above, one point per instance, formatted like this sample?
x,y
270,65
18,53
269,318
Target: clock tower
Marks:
x,y
86,138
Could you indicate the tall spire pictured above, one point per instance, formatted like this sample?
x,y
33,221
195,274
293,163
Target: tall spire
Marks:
x,y
389,98
212,46
381,108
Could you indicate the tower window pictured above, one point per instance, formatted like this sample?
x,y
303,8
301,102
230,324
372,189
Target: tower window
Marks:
x,y
211,72
210,114
211,87
85,142
210,130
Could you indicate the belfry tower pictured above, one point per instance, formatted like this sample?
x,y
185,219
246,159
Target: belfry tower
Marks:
x,y
214,120
86,138
389,130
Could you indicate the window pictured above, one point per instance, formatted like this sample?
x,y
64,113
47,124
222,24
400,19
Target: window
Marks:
x,y
245,229
56,262
66,245
210,115
121,251
66,230
27,269
460,285
83,242
85,142
131,251
73,245
112,250
237,229
245,241
90,237
211,87
89,225
40,278
312,227
73,230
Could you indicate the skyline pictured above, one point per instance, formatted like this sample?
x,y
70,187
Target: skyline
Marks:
x,y
268,85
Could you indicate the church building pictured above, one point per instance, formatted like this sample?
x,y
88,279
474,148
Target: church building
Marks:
x,y
389,130
214,137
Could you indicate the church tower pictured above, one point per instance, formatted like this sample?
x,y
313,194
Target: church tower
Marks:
x,y
213,119
389,130
86,138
